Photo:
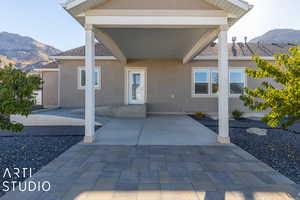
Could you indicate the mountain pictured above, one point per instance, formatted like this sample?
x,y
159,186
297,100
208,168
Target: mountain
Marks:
x,y
280,36
5,61
22,50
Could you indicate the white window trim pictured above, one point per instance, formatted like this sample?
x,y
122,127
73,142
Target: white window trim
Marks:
x,y
194,70
210,70
80,87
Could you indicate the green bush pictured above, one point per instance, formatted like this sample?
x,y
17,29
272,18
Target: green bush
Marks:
x,y
16,96
282,104
237,115
199,115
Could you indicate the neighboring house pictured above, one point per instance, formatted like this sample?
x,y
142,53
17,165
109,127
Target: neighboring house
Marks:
x,y
151,58
48,96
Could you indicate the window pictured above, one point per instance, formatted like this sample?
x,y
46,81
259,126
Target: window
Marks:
x,y
214,82
201,82
206,82
81,77
237,81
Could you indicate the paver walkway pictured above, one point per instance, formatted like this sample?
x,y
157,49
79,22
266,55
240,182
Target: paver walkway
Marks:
x,y
100,172
155,130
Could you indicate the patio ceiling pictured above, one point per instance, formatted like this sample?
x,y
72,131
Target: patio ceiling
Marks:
x,y
155,43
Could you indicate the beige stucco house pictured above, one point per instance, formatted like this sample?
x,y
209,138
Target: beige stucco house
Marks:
x,y
157,54
171,85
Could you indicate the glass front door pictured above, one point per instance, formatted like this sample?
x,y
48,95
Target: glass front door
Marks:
x,y
136,87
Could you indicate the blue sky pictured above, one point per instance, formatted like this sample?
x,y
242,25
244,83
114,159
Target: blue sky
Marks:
x,y
47,22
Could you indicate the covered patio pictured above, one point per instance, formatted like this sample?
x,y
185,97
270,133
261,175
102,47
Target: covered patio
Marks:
x,y
178,31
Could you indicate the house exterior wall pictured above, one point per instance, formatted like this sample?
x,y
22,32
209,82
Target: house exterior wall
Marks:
x,y
50,88
169,85
112,84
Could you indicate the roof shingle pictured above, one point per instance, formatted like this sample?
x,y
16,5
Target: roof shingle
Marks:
x,y
241,49
100,50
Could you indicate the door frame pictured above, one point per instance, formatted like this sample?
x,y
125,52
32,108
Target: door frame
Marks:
x,y
126,83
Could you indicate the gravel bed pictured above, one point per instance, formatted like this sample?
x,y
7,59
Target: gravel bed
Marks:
x,y
51,131
280,149
34,148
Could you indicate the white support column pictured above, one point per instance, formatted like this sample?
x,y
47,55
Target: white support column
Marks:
x,y
89,85
223,136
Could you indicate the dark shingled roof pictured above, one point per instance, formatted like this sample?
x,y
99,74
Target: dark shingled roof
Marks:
x,y
41,65
100,50
33,66
248,50
241,49
51,65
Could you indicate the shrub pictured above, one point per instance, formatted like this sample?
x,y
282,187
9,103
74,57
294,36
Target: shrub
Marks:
x,y
16,96
199,115
237,115
282,104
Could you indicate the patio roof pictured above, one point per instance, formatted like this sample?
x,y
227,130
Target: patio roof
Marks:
x,y
152,33
236,7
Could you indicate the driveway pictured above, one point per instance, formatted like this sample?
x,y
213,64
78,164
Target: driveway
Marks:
x,y
103,172
155,130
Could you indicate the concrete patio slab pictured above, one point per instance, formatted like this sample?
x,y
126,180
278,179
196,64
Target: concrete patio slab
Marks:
x,y
155,130
120,132
175,130
56,117
48,120
105,172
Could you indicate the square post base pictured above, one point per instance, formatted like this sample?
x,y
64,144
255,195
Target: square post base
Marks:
x,y
223,140
89,139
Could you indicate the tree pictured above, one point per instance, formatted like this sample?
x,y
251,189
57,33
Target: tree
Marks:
x,y
283,103
16,96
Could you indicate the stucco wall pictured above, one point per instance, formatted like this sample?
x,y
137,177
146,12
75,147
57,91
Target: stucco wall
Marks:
x,y
112,84
50,88
168,85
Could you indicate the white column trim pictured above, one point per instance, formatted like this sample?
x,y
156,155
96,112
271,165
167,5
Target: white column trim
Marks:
x,y
89,89
223,99
154,21
159,12
59,87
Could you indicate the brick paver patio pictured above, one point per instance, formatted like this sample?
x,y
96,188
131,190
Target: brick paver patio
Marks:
x,y
97,172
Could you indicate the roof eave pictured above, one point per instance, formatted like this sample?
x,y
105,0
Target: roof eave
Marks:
x,y
46,70
242,4
71,4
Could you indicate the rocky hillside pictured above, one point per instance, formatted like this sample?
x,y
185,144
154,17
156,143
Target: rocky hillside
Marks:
x,y
21,50
280,36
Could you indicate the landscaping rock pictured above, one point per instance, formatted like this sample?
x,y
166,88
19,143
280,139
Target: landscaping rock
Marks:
x,y
34,148
257,131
